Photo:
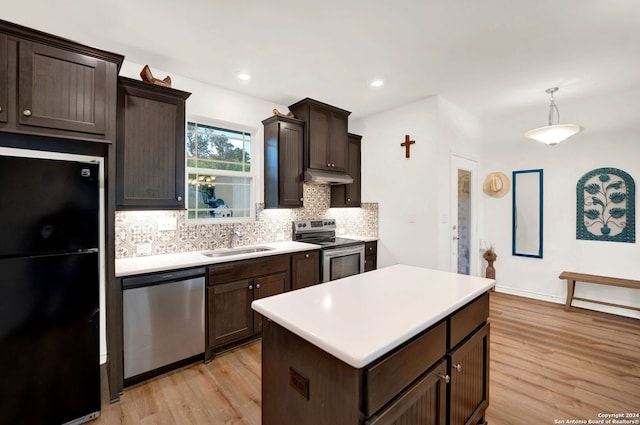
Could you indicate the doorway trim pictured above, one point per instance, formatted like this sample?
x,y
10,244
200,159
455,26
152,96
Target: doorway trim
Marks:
x,y
457,162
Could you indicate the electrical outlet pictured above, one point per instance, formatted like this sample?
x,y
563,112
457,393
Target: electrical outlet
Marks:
x,y
143,249
167,223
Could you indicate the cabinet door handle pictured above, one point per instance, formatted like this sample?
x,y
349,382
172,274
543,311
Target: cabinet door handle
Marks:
x,y
179,198
257,286
0,108
348,199
445,378
370,248
26,113
457,367
306,255
250,287
301,199
328,165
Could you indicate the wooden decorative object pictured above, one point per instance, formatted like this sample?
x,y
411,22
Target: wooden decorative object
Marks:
x,y
276,112
490,256
407,145
147,76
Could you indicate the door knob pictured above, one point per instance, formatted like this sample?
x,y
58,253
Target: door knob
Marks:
x,y
445,378
457,367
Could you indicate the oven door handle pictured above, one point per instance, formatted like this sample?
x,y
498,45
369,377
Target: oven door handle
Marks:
x,y
340,252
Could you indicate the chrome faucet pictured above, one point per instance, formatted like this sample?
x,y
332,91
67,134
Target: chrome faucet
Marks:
x,y
233,233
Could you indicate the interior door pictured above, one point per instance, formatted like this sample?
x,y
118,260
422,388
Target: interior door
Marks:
x,y
464,212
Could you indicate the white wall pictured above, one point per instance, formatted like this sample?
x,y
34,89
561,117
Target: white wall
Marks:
x,y
610,139
414,194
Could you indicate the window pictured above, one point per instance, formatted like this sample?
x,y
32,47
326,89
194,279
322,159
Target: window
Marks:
x,y
219,173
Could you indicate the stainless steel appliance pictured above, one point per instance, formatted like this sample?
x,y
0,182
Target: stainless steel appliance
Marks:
x,y
163,322
340,257
49,288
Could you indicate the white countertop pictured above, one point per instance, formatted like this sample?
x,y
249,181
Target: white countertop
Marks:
x,y
156,263
359,318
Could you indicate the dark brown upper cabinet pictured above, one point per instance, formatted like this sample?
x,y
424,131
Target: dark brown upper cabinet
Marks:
x,y
52,86
348,195
61,89
283,147
150,146
325,133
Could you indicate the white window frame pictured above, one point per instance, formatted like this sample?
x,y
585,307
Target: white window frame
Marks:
x,y
228,173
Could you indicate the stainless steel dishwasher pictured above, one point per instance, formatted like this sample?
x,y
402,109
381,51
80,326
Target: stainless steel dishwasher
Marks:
x,y
163,319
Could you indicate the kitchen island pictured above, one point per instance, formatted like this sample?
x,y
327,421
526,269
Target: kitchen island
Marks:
x,y
401,344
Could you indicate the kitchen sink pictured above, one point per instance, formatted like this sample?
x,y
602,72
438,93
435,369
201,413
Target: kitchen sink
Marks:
x,y
224,252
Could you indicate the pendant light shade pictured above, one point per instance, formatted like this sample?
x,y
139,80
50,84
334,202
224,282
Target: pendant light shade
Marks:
x,y
553,133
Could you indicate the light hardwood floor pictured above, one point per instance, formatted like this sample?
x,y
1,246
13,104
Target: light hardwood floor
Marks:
x,y
546,365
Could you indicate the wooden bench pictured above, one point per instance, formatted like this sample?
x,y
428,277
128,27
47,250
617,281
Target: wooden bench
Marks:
x,y
572,278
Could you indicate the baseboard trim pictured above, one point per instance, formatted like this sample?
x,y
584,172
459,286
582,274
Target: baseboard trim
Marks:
x,y
531,294
562,300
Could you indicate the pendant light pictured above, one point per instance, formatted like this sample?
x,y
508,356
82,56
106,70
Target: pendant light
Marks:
x,y
553,134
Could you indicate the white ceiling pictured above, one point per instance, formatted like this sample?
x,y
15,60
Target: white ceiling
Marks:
x,y
489,57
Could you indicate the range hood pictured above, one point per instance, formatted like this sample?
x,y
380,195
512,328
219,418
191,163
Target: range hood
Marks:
x,y
326,177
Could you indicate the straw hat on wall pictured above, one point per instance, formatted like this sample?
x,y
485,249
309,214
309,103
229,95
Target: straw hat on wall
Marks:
x,y
496,185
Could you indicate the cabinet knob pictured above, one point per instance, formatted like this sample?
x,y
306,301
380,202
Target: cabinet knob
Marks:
x,y
26,113
445,378
457,367
306,255
257,286
179,198
301,199
328,165
0,108
250,287
348,199
370,248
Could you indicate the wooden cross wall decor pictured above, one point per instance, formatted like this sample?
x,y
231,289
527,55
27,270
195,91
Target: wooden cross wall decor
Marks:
x,y
407,146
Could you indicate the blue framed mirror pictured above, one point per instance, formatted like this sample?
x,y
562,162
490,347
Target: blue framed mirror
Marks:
x,y
527,217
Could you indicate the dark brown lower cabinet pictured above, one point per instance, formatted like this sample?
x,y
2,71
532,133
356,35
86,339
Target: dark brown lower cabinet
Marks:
x,y
229,318
267,286
231,289
425,381
469,387
425,402
370,256
305,269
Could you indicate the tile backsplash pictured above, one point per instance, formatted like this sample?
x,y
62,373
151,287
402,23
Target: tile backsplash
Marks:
x,y
140,233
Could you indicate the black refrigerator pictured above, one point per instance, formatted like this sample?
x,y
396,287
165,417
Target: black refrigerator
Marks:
x,y
49,291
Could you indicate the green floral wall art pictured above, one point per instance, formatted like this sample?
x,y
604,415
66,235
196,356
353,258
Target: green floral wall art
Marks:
x,y
606,206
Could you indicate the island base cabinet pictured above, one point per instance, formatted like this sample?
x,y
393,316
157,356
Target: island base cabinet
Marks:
x,y
424,403
469,387
304,384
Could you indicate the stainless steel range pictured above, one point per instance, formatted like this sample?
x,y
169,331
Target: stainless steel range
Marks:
x,y
340,257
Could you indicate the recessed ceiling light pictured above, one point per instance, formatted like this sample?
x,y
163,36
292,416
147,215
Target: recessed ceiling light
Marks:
x,y
244,77
377,83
